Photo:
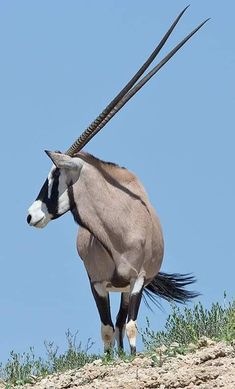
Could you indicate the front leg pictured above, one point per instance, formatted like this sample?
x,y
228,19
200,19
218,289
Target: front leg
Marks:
x,y
101,297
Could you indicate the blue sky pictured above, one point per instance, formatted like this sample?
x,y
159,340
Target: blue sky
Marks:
x,y
61,63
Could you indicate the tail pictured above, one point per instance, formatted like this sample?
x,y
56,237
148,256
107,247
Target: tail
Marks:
x,y
171,287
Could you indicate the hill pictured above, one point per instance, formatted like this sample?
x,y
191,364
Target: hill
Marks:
x,y
209,365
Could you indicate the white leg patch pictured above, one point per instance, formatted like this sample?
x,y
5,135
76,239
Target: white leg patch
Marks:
x,y
108,336
131,331
138,285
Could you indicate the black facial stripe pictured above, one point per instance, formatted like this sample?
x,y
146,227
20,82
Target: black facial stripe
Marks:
x,y
43,194
52,202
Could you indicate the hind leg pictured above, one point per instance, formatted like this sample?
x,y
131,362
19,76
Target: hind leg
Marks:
x,y
101,297
121,320
137,286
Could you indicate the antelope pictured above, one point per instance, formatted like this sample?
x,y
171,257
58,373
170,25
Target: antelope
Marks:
x,y
120,239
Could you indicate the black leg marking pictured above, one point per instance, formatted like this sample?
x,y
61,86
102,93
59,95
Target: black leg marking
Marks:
x,y
107,328
103,306
134,304
121,319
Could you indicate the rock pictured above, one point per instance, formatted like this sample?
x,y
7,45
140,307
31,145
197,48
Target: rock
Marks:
x,y
144,362
175,345
192,347
162,349
205,342
97,362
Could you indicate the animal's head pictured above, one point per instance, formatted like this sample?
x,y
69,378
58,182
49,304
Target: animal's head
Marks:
x,y
54,198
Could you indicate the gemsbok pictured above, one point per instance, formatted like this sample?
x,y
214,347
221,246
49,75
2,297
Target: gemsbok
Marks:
x,y
120,239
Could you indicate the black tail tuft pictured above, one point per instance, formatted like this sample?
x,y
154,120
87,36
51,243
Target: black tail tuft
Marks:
x,y
171,287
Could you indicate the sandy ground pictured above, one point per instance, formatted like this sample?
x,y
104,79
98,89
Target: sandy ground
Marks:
x,y
210,366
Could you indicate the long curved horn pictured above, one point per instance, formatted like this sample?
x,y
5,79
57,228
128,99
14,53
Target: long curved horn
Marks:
x,y
134,90
85,136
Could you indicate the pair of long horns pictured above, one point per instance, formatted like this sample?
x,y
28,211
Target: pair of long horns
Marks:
x,y
131,88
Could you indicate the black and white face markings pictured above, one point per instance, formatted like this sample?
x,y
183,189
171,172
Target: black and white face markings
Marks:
x,y
49,193
52,200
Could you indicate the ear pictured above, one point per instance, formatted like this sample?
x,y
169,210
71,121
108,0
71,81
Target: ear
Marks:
x,y
63,161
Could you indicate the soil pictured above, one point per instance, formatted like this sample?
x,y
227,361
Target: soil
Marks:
x,y
209,365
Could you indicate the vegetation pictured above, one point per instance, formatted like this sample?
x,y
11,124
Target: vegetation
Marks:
x,y
24,368
183,328
188,325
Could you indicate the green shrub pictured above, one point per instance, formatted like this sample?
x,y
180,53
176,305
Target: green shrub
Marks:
x,y
188,325
24,368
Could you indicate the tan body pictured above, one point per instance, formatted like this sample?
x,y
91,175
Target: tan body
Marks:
x,y
124,239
